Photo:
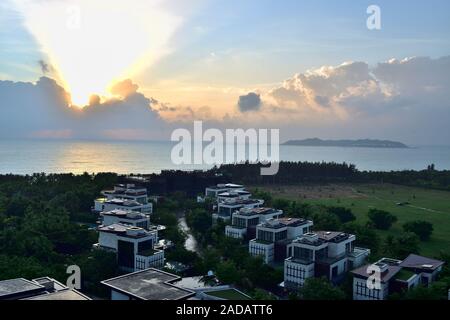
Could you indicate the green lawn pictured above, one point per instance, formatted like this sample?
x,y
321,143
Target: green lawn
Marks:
x,y
424,204
229,294
404,275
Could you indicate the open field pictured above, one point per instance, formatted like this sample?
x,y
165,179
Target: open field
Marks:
x,y
423,204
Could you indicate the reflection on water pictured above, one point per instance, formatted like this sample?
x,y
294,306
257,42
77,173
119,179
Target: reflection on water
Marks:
x,y
190,243
29,156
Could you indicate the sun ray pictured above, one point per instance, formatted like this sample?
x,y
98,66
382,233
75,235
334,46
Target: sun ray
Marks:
x,y
93,43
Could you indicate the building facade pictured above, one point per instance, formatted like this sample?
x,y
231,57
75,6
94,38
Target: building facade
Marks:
x,y
377,281
124,197
135,247
322,253
245,220
273,237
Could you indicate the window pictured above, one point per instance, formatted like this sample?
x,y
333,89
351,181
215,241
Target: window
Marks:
x,y
125,254
363,291
303,254
281,235
265,236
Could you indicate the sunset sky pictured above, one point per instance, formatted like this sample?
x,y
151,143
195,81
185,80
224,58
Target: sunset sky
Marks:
x,y
136,69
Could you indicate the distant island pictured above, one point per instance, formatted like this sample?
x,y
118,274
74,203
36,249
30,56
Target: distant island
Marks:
x,y
360,143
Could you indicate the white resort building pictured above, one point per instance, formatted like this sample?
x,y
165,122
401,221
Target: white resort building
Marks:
x,y
124,197
394,276
226,208
230,198
321,253
245,220
133,218
215,191
273,237
136,248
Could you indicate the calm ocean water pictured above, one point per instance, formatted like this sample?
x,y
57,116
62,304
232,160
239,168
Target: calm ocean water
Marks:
x,y
29,156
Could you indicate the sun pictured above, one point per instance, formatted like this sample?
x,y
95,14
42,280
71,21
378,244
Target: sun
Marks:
x,y
91,43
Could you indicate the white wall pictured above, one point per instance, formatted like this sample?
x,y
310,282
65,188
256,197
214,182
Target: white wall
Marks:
x,y
297,273
108,240
261,249
362,292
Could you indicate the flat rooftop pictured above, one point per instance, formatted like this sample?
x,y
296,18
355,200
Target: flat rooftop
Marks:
x,y
419,262
67,294
135,215
293,222
257,211
332,236
390,272
121,230
124,202
16,287
149,284
283,222
238,202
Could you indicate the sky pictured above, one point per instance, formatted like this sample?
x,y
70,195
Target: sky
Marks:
x,y
138,69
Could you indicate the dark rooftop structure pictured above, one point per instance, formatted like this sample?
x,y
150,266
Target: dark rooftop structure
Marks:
x,y
292,222
283,222
125,230
131,215
258,211
414,261
124,203
149,284
333,236
387,271
238,202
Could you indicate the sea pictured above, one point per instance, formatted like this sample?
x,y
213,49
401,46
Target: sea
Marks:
x,y
125,157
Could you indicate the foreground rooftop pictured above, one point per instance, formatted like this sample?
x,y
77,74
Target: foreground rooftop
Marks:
x,y
149,284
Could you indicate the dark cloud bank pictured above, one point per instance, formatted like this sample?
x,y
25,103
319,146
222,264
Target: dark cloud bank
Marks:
x,y
408,100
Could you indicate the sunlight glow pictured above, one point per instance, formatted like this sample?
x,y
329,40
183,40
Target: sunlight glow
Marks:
x,y
91,44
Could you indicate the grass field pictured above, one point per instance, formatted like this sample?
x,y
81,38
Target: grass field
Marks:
x,y
228,294
423,204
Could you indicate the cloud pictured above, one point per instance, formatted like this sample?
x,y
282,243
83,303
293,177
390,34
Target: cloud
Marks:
x,y
249,102
407,98
354,89
42,110
124,88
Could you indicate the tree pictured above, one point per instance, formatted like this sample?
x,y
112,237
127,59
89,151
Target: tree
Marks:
x,y
199,219
264,195
261,274
381,219
436,291
227,272
320,289
366,237
260,294
423,229
95,267
323,220
282,204
402,245
180,254
344,214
